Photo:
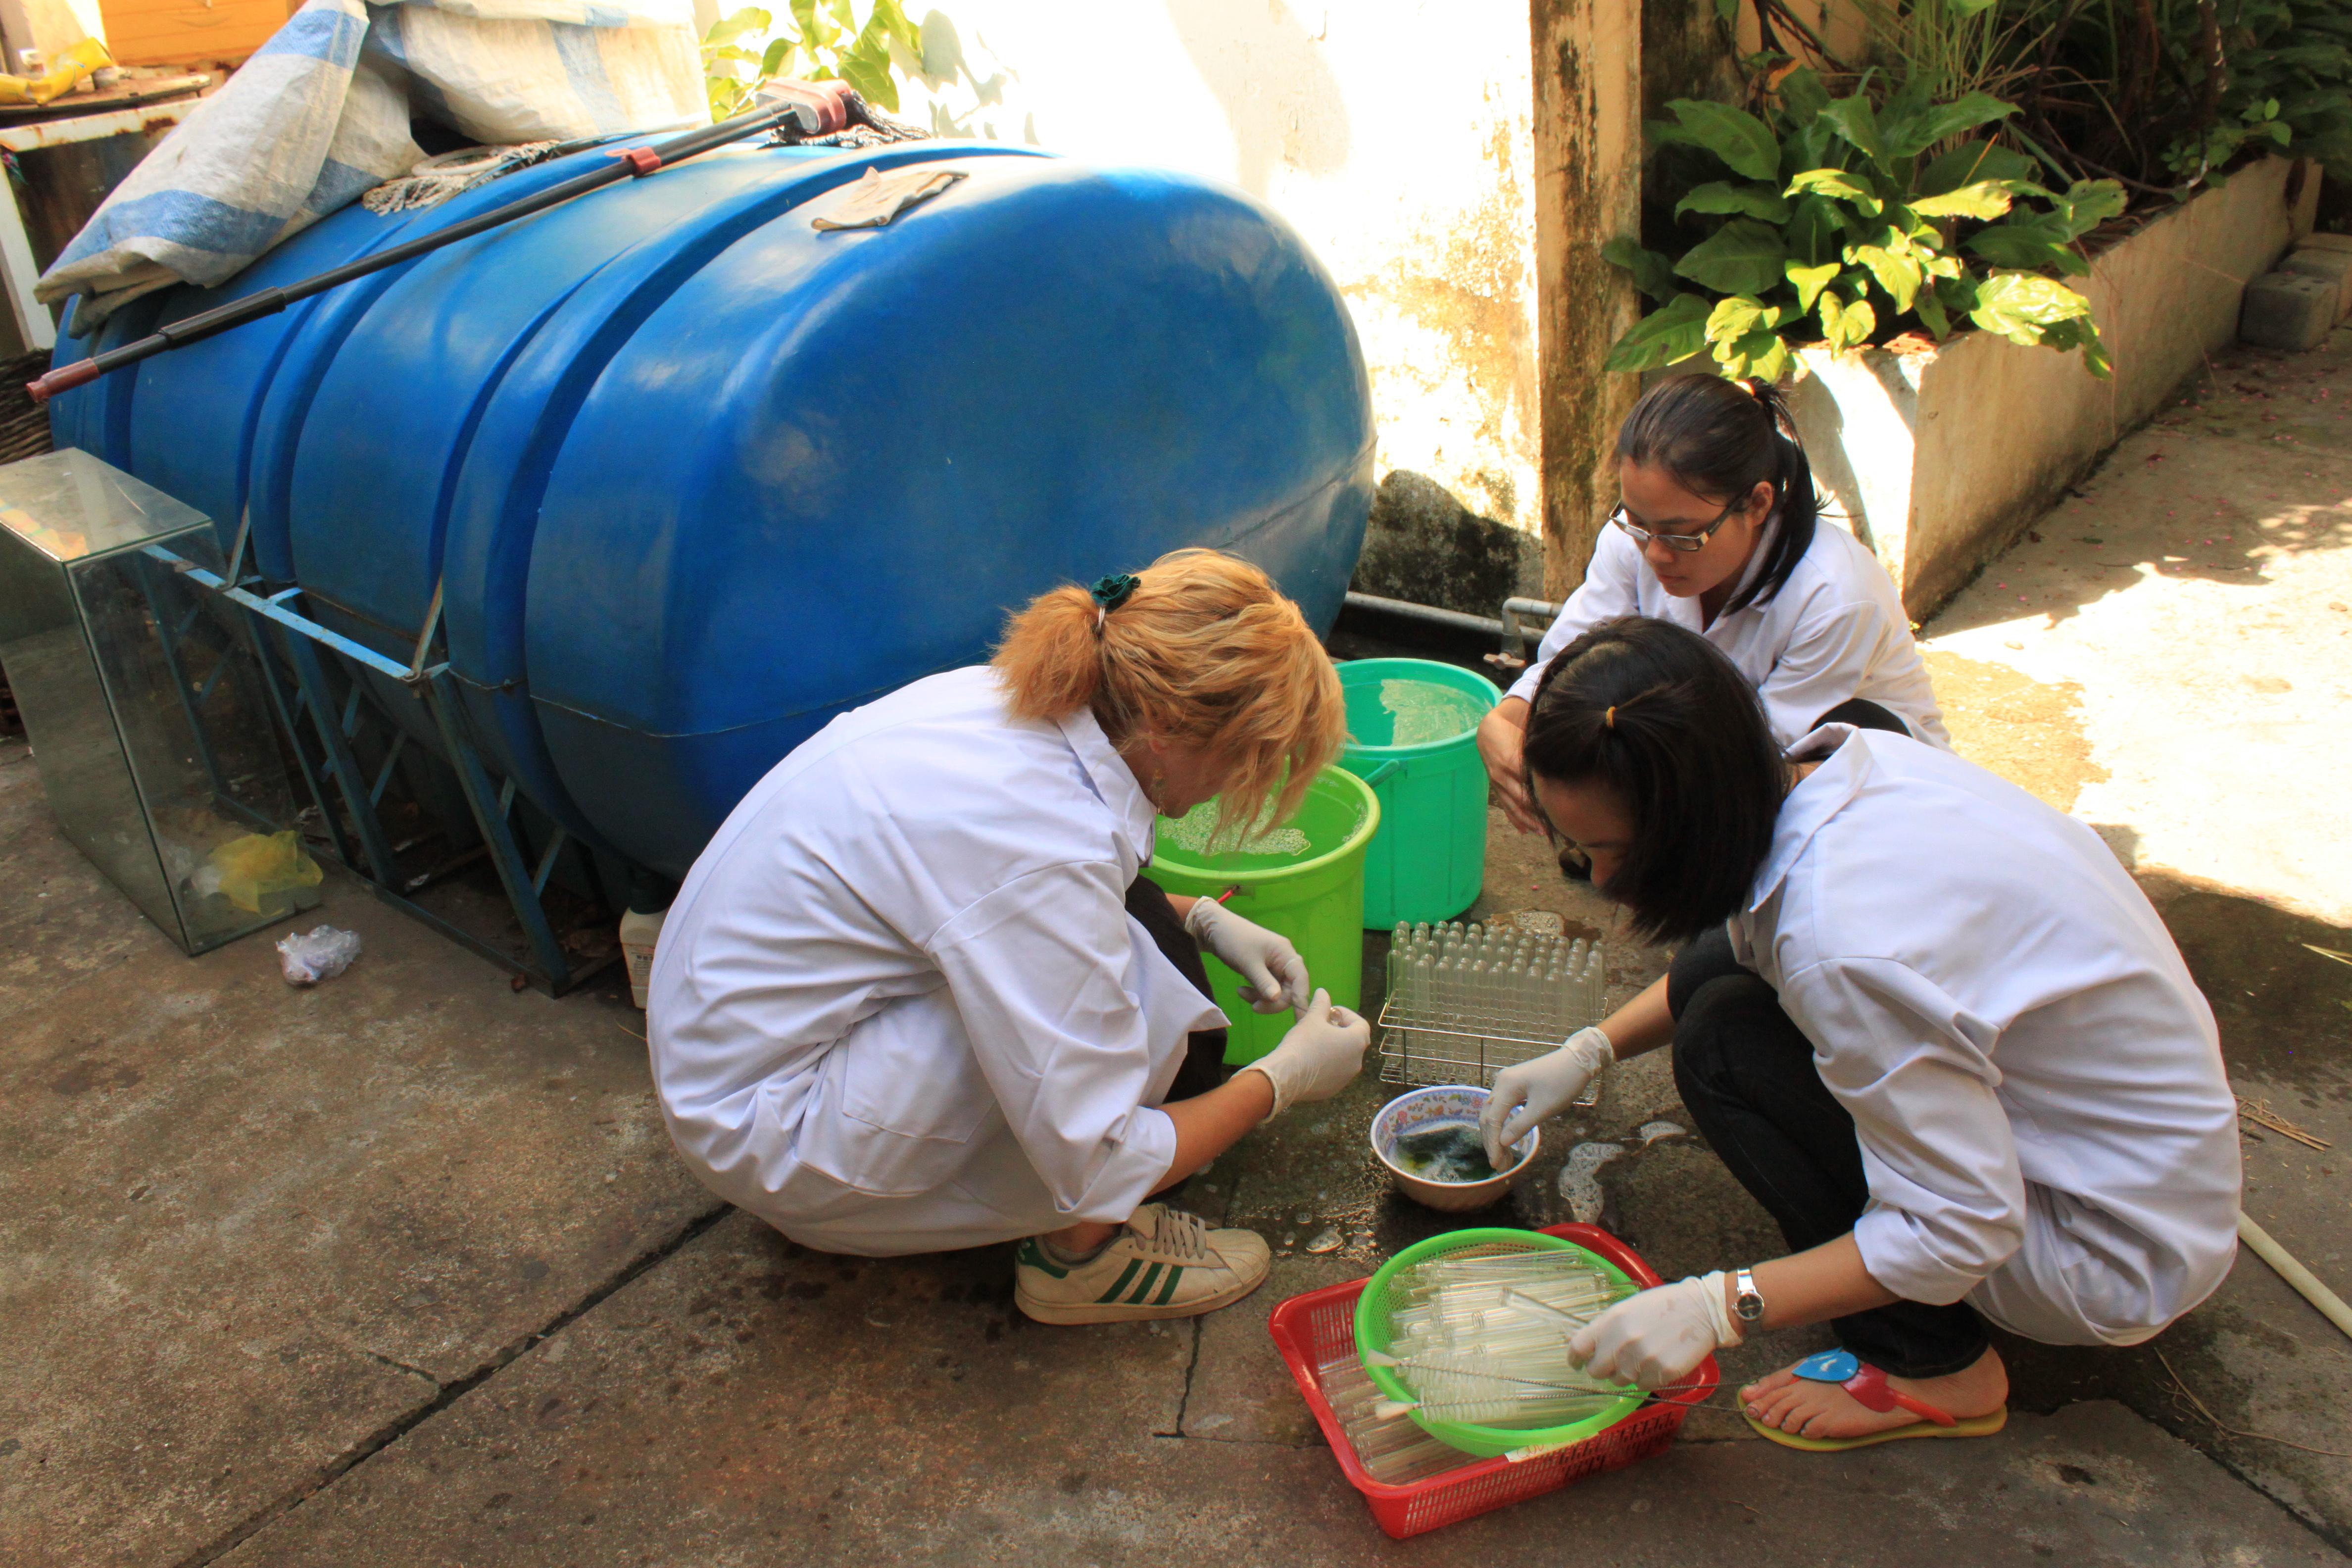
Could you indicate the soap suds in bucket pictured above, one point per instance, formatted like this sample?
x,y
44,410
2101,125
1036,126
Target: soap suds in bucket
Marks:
x,y
1193,832
1425,712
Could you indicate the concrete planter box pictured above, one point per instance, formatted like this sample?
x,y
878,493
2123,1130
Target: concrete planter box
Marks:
x,y
1939,460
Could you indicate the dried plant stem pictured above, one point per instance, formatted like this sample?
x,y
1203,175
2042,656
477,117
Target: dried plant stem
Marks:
x,y
2258,1112
2191,1394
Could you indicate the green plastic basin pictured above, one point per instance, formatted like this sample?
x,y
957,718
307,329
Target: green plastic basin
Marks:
x,y
1304,879
1374,1331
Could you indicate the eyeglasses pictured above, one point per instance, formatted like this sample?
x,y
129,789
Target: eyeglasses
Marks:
x,y
1681,544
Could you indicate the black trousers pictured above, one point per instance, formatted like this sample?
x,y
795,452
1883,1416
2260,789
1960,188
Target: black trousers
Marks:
x,y
1862,714
1746,1075
1204,1055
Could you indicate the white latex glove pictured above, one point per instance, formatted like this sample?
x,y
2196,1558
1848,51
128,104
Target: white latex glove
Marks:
x,y
1272,974
1318,1058
1531,1090
1657,1337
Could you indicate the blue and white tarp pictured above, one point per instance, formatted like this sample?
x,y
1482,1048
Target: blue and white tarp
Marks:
x,y
322,113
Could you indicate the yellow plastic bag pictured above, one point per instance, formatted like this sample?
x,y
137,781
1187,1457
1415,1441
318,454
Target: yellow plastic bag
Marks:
x,y
246,869
72,66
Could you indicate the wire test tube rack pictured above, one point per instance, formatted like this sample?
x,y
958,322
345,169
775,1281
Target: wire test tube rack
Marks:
x,y
1465,1002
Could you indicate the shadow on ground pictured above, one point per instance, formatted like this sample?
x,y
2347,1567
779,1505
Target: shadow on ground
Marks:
x,y
2249,467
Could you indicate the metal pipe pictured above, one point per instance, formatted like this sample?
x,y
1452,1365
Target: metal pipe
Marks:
x,y
1513,637
148,118
272,608
1460,621
1513,608
1454,619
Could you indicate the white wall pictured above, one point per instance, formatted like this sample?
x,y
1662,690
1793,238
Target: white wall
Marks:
x,y
51,27
1395,135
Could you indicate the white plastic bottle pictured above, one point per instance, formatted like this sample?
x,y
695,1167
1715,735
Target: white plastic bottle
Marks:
x,y
639,932
641,924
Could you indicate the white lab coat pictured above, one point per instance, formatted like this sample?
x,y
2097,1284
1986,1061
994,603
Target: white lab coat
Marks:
x,y
899,1005
2035,1079
1836,630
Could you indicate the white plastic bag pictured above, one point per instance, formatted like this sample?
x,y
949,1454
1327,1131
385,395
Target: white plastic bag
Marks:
x,y
322,112
319,953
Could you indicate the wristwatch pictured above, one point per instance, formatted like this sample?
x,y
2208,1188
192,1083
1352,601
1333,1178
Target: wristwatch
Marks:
x,y
1745,1304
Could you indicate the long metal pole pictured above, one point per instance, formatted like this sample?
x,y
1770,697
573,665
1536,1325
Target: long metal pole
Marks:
x,y
628,162
1457,619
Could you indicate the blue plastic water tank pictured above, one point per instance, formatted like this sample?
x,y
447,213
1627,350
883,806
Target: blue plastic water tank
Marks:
x,y
694,476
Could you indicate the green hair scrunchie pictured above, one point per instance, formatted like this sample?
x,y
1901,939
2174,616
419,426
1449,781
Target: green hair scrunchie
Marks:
x,y
1115,590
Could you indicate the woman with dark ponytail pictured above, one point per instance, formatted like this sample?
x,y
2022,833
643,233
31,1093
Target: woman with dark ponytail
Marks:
x,y
917,995
1928,1021
1719,531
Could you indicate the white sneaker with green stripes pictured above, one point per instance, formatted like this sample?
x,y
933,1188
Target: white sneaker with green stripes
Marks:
x,y
1165,1264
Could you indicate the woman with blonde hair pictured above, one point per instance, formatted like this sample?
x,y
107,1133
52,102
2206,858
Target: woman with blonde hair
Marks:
x,y
915,994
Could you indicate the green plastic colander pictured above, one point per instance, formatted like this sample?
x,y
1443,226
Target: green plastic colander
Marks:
x,y
1373,1333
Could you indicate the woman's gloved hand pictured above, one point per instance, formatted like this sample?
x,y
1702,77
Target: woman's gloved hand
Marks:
x,y
1318,1058
1530,1091
1272,974
1657,1337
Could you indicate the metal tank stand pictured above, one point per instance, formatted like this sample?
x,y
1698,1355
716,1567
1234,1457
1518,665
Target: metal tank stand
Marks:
x,y
329,735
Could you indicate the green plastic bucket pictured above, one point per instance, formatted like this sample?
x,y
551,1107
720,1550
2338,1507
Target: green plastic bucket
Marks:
x,y
1412,735
1310,887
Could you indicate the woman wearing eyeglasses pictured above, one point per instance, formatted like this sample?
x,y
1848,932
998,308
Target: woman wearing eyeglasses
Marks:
x,y
1719,533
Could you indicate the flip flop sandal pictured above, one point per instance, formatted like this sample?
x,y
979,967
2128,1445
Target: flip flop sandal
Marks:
x,y
1871,1389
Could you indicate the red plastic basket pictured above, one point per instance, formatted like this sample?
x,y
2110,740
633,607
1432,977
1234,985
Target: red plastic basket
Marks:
x,y
1320,1327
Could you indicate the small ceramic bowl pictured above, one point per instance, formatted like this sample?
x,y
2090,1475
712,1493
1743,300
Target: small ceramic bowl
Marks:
x,y
1434,1106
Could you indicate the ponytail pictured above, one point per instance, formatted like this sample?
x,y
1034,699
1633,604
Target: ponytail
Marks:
x,y
1798,504
1051,660
1721,439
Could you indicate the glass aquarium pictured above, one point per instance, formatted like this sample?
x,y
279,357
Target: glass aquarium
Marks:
x,y
143,696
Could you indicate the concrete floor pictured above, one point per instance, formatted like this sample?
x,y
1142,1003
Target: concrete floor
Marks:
x,y
400,1270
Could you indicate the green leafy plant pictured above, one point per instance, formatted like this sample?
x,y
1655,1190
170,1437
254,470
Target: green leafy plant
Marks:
x,y
2287,66
2194,156
1967,46
2163,94
1851,222
866,43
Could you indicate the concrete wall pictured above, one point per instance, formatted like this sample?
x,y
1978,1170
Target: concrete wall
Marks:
x,y
1588,69
1396,136
52,26
1687,52
1940,459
